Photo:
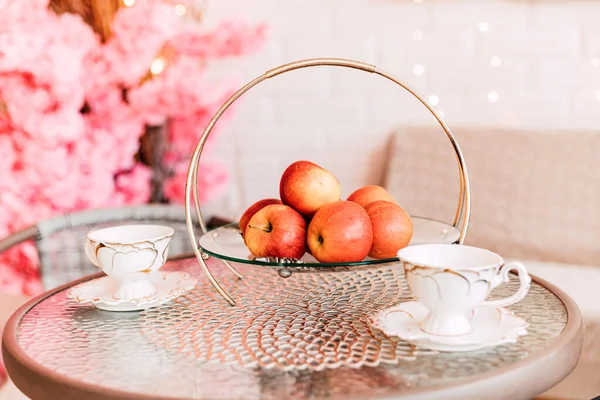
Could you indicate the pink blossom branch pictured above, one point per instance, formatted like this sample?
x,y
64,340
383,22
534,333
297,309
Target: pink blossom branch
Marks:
x,y
231,38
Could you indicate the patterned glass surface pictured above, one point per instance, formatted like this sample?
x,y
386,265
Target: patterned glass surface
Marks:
x,y
300,337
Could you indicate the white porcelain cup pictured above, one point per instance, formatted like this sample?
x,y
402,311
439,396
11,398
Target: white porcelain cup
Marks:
x,y
451,280
128,254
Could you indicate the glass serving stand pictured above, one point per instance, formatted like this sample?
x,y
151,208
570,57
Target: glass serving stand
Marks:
x,y
226,244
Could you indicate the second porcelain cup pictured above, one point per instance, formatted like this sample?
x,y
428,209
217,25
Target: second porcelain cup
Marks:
x,y
128,254
451,280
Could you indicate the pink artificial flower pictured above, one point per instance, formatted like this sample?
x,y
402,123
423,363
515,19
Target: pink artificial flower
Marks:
x,y
48,47
185,132
53,172
22,208
133,187
181,91
96,189
104,99
24,177
230,38
54,158
12,281
33,108
60,192
212,179
113,138
59,126
5,123
177,91
78,38
20,44
99,74
22,95
7,5
138,35
8,156
65,53
19,272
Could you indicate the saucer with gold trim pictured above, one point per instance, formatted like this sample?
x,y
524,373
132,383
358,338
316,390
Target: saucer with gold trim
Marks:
x,y
490,327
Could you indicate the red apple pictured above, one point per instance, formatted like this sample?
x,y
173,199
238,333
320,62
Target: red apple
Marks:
x,y
306,187
369,194
276,230
392,228
253,209
340,232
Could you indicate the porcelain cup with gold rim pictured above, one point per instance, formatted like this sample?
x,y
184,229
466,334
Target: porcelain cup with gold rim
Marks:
x,y
451,280
129,254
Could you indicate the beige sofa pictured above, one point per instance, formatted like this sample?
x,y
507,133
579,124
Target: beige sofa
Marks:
x,y
535,198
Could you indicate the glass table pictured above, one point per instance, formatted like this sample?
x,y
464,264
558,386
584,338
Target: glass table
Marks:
x,y
304,337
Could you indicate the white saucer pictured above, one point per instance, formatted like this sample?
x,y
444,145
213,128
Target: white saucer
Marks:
x,y
99,292
491,326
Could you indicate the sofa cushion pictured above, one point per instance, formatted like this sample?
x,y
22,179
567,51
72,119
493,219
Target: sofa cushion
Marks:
x,y
534,194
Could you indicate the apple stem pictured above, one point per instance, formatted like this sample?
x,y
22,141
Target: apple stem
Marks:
x,y
262,228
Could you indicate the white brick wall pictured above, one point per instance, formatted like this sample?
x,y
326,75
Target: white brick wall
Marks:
x,y
342,118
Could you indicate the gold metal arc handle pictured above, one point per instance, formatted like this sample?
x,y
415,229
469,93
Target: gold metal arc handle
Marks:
x,y
463,210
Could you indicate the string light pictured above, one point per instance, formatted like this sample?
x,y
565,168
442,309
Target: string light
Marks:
x,y
418,69
128,3
180,10
595,62
493,97
441,113
434,100
418,1
417,35
598,94
484,27
495,61
157,66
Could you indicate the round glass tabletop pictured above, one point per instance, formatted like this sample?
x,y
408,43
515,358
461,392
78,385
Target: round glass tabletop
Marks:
x,y
306,337
226,243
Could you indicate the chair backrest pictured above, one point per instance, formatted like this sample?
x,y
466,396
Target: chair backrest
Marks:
x,y
60,240
535,195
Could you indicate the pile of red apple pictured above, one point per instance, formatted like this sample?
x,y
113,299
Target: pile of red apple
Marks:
x,y
311,217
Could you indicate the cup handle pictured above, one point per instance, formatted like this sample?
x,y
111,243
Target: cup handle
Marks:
x,y
524,279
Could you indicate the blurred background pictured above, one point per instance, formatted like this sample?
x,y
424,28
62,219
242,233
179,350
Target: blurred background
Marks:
x,y
103,101
519,64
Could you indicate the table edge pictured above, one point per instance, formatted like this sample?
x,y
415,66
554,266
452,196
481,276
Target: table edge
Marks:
x,y
37,381
551,365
